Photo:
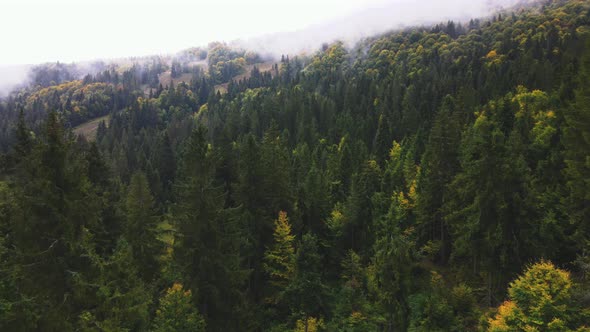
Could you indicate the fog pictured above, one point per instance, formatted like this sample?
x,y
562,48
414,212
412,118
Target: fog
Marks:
x,y
374,20
67,30
12,76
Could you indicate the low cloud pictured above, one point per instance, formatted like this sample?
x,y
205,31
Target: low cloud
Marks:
x,y
370,21
367,21
12,76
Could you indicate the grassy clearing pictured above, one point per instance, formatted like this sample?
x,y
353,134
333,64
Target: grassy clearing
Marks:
x,y
88,129
166,77
262,67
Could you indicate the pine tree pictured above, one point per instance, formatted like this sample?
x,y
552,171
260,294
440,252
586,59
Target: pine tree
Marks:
x,y
166,165
98,171
177,313
353,310
439,165
306,291
17,309
101,131
279,261
577,143
55,205
382,140
141,226
315,201
258,228
359,212
24,142
207,242
111,296
275,163
389,273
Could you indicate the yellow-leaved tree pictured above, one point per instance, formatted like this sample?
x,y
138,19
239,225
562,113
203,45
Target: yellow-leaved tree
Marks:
x,y
279,258
176,312
540,300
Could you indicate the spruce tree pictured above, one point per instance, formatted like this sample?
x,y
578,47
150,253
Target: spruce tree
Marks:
x,y
177,313
279,261
141,226
307,291
577,143
207,242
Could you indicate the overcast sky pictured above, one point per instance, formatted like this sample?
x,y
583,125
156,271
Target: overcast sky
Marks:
x,y
35,31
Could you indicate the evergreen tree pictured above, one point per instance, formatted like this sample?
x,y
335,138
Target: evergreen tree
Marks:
x,y
207,246
55,205
177,313
24,142
390,271
359,212
486,203
166,166
577,144
111,295
381,141
440,163
353,309
279,258
141,227
486,174
307,291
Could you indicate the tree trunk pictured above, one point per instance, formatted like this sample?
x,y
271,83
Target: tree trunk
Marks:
x,y
489,289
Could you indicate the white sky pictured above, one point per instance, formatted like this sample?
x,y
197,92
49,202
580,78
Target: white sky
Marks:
x,y
34,31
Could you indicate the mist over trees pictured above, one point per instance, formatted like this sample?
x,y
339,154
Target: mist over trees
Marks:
x,y
429,179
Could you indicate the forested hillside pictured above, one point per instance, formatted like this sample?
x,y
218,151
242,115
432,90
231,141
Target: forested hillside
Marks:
x,y
430,179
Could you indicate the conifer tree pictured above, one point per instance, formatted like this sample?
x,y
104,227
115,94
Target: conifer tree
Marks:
x,y
306,291
207,243
577,143
279,261
24,142
141,227
391,265
177,313
382,140
485,201
440,163
111,295
359,211
166,166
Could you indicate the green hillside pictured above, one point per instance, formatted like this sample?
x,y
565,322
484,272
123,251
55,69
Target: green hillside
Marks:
x,y
435,178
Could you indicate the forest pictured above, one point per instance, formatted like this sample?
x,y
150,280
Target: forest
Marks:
x,y
434,178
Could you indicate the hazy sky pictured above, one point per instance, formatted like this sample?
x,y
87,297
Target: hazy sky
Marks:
x,y
36,31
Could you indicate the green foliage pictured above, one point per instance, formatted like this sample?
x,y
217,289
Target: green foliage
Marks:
x,y
306,291
225,62
112,293
353,309
140,229
540,300
279,260
206,244
577,142
421,170
311,324
176,312
439,164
